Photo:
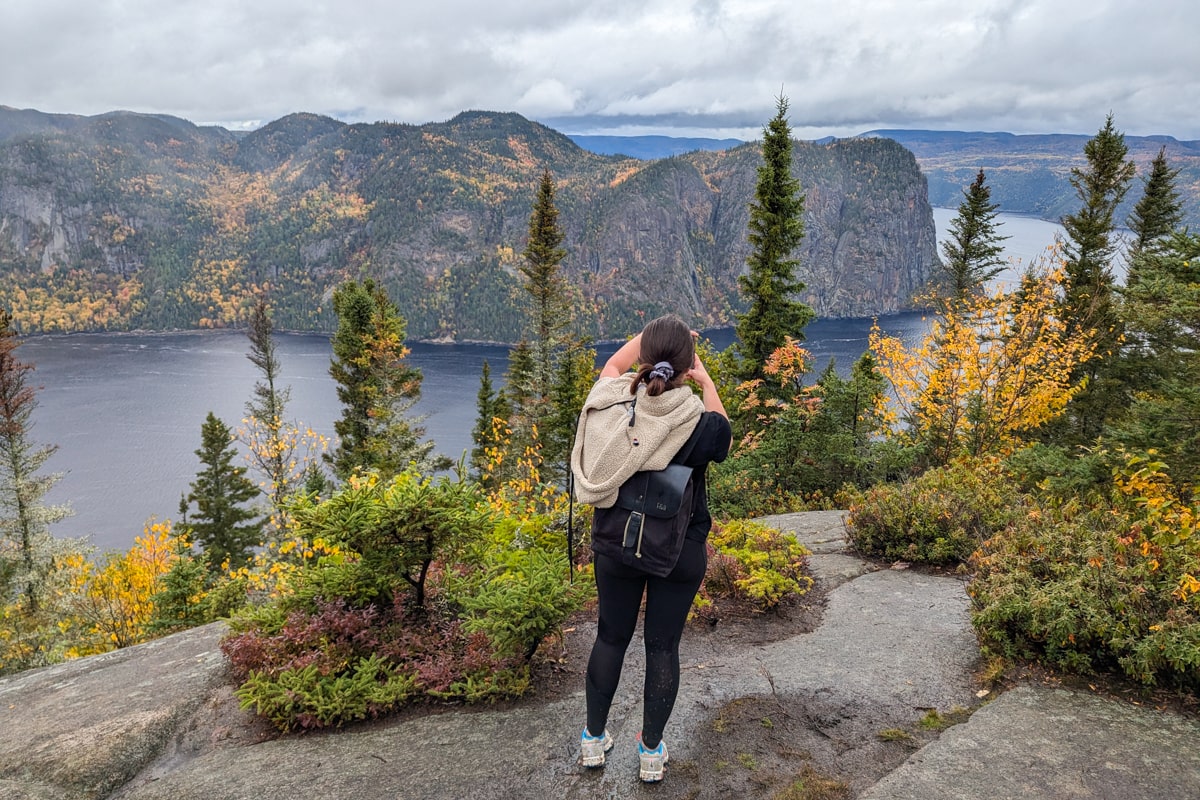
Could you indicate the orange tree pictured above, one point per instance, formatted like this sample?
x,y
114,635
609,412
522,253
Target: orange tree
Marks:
x,y
113,599
990,369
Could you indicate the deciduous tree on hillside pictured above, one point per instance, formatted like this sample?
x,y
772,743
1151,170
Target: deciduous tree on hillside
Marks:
x,y
280,450
267,448
996,367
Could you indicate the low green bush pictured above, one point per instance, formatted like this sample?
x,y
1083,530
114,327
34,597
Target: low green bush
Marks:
x,y
449,601
519,591
304,697
735,492
1094,587
337,664
939,517
399,527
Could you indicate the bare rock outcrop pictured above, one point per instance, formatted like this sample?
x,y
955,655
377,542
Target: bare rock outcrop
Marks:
x,y
84,728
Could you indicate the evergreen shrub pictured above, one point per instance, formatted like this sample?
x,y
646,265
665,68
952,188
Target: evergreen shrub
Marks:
x,y
336,664
1098,586
519,591
939,518
448,603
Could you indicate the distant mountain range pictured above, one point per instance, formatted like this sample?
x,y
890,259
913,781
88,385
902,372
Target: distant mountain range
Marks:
x,y
649,148
1028,174
124,221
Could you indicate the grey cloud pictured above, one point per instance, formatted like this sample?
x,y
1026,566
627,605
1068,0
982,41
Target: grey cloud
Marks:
x,y
595,65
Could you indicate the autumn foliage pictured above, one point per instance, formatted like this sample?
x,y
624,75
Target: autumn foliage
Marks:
x,y
113,597
1098,585
91,604
996,367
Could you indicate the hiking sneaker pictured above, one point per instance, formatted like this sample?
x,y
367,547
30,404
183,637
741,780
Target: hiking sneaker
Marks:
x,y
593,748
652,762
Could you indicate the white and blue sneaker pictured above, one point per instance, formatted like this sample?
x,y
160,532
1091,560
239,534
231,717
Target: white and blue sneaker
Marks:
x,y
593,748
652,763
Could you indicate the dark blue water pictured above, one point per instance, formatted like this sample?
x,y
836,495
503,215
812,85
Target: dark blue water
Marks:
x,y
126,409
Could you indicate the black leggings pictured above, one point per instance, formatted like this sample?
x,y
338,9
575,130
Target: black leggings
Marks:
x,y
668,600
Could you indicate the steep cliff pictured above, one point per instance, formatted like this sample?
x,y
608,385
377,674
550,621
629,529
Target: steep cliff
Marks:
x,y
126,221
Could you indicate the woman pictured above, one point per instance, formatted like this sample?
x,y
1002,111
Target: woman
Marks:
x,y
635,421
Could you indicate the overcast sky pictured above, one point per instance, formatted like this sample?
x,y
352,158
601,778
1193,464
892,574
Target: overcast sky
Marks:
x,y
676,67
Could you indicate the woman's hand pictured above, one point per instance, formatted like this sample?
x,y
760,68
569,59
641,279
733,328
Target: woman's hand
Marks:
x,y
712,401
698,373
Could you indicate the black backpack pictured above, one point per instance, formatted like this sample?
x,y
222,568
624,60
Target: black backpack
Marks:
x,y
646,526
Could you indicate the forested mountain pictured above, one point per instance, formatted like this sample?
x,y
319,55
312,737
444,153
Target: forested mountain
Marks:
x,y
125,221
1029,174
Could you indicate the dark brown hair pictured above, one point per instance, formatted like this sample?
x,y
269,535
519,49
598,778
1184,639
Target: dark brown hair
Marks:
x,y
665,339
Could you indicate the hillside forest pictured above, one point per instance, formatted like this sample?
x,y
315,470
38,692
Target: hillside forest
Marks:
x,y
129,221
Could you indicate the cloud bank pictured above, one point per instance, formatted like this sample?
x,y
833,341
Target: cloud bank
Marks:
x,y
676,67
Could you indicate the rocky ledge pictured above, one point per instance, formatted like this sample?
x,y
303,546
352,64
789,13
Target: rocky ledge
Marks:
x,y
842,703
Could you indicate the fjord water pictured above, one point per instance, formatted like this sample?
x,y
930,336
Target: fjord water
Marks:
x,y
125,409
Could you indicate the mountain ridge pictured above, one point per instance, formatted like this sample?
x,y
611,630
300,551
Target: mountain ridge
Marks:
x,y
1021,181
127,220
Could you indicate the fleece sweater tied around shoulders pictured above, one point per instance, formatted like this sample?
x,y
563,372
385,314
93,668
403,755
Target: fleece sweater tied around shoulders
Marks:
x,y
608,449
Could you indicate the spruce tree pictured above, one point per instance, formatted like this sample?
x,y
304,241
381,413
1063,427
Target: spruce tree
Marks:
x,y
222,526
573,380
550,308
775,231
180,602
377,387
1158,213
25,519
520,402
270,451
844,432
486,439
1089,301
1090,247
353,304
973,250
1162,315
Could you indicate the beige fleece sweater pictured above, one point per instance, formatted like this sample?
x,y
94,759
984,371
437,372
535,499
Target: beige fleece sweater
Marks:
x,y
608,450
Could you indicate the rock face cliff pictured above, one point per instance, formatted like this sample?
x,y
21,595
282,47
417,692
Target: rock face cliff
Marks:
x,y
132,221
674,234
